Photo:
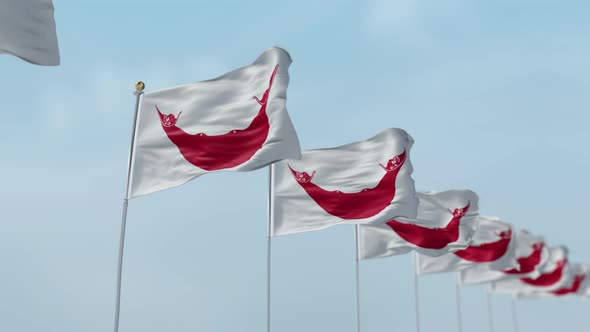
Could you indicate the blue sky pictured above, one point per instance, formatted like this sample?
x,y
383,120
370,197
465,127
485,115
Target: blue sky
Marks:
x,y
494,94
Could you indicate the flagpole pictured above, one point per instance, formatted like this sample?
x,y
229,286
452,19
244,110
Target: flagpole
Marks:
x,y
416,293
514,316
490,314
139,86
358,300
268,243
458,297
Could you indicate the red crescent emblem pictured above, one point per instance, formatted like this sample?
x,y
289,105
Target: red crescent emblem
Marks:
x,y
487,252
430,238
221,151
363,204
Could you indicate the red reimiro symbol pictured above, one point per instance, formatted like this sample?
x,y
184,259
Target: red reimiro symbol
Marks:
x,y
359,205
547,279
221,151
528,264
578,279
431,238
487,252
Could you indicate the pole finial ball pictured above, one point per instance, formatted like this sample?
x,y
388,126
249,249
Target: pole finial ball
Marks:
x,y
139,86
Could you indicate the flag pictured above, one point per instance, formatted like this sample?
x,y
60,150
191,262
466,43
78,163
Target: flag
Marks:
x,y
367,181
236,122
531,254
584,290
27,30
446,222
492,245
550,277
574,282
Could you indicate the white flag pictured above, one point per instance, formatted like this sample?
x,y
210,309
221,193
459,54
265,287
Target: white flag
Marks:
x,y
492,245
446,222
531,255
27,30
584,290
367,181
574,282
549,279
236,122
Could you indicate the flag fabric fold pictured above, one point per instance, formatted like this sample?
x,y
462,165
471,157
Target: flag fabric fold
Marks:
x,y
366,181
492,245
531,255
27,31
550,277
445,222
236,122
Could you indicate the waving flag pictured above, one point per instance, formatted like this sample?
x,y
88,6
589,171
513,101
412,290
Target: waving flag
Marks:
x,y
445,223
531,255
584,290
236,122
492,245
550,277
27,30
367,181
574,282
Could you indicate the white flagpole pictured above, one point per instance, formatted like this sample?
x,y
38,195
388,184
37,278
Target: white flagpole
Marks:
x,y
416,293
268,242
358,301
458,297
490,314
139,86
514,316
